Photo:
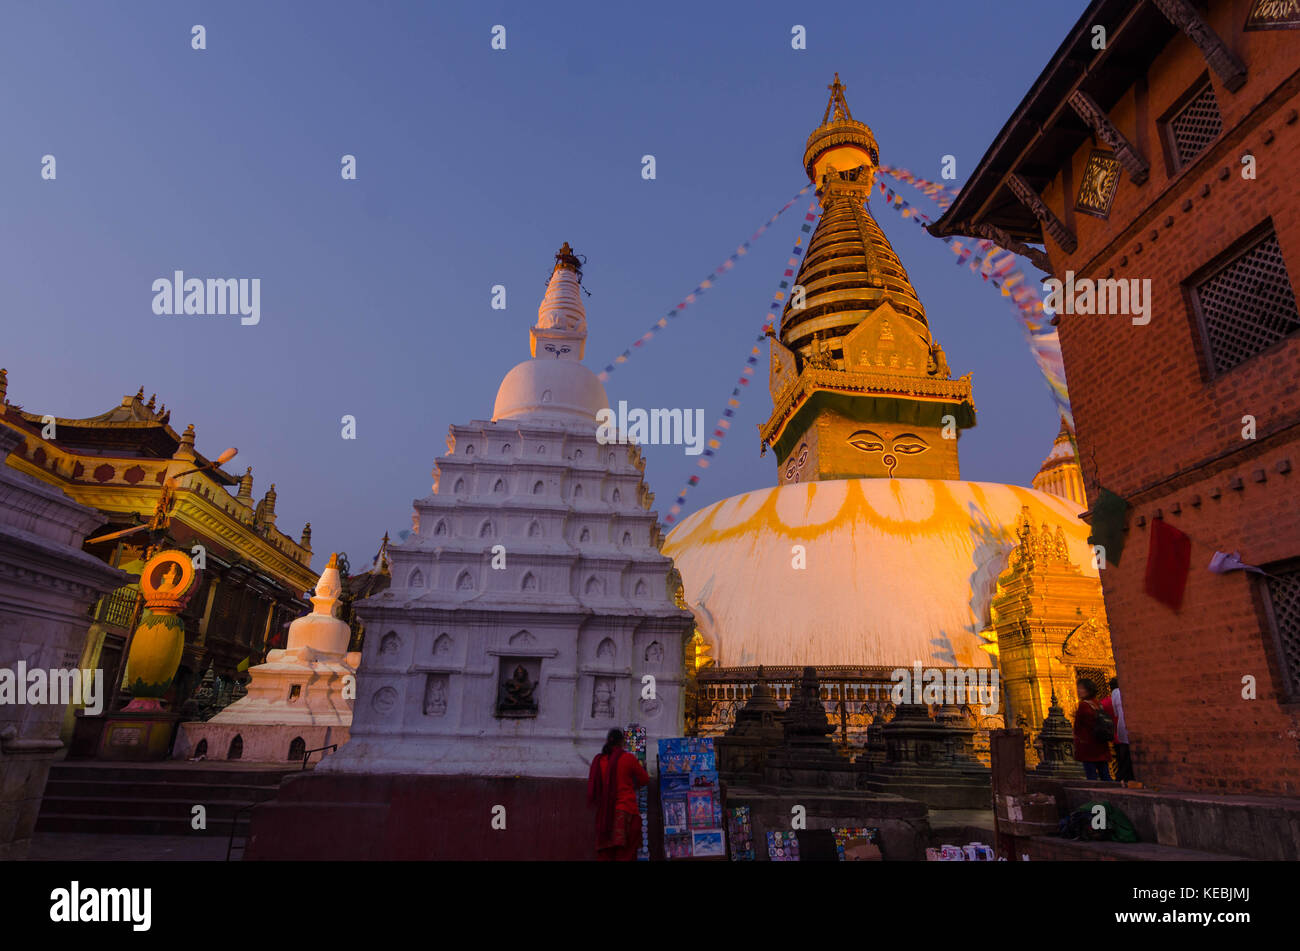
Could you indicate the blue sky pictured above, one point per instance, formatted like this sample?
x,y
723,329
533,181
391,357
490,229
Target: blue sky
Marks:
x,y
473,166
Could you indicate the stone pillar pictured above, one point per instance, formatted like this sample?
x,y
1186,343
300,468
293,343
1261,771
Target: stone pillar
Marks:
x,y
47,584
876,739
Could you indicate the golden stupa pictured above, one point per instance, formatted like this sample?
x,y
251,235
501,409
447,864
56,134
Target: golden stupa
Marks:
x,y
870,551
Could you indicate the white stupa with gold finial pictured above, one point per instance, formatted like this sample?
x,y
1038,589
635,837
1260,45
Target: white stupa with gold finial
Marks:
x,y
299,700
531,606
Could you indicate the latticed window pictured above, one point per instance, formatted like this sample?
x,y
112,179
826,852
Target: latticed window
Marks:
x,y
1284,604
1247,305
1195,126
119,607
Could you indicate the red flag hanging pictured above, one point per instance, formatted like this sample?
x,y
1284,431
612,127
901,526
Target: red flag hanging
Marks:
x,y
1168,560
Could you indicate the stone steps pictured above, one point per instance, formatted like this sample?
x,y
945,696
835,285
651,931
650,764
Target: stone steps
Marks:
x,y
172,772
98,824
157,808
154,798
195,792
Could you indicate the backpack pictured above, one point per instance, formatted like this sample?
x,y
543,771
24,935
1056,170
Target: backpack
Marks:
x,y
1103,727
1078,825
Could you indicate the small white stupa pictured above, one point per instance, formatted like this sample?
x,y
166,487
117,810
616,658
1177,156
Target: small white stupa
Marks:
x,y
300,699
531,609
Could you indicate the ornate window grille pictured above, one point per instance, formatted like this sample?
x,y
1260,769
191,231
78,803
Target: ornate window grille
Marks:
x,y
1247,305
1194,126
117,608
1283,588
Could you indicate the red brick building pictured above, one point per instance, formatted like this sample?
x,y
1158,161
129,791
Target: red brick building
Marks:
x,y
1168,150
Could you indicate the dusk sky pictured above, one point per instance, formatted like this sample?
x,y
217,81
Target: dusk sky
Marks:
x,y
473,166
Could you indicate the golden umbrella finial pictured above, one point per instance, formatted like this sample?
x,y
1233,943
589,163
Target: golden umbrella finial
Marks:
x,y
837,102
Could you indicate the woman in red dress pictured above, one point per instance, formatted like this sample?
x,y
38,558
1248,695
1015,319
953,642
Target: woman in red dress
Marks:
x,y
1090,749
611,787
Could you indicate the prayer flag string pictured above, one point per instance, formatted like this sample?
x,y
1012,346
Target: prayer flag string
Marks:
x,y
751,362
942,195
700,288
998,267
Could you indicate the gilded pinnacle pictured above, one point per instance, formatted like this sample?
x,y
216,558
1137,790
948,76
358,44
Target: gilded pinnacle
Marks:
x,y
565,258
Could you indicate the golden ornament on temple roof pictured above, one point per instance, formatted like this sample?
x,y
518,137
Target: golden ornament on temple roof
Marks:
x,y
838,128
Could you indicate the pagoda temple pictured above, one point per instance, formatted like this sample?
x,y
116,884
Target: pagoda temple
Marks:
x,y
118,462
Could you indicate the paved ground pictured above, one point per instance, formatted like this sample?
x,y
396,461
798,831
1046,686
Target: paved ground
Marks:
x,y
81,847
78,847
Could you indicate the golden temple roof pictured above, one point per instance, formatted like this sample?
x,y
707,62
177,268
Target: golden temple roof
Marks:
x,y
850,268
135,427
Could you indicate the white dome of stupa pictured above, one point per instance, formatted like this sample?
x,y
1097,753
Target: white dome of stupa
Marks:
x,y
551,388
896,570
554,384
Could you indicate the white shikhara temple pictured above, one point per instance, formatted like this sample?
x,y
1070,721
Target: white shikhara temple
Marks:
x,y
531,609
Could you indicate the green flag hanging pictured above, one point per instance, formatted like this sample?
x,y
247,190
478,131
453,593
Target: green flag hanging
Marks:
x,y
1108,516
243,664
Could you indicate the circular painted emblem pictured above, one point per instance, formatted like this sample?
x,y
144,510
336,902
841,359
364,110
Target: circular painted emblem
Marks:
x,y
384,700
652,708
167,580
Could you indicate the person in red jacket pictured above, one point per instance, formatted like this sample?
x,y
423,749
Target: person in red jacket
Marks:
x,y
611,787
1090,749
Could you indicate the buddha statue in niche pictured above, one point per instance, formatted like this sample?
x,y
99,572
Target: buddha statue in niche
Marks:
x,y
517,692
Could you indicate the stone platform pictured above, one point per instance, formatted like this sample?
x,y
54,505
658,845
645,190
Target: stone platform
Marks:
x,y
261,742
1042,848
1265,828
939,788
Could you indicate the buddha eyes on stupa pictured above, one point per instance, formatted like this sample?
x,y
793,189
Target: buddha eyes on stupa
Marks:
x,y
796,463
867,441
909,444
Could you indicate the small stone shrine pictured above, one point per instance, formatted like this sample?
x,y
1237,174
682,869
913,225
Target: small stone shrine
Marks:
x,y
758,730
932,759
807,756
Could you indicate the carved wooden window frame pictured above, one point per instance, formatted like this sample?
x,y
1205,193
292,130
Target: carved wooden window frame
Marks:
x,y
1288,674
1196,313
